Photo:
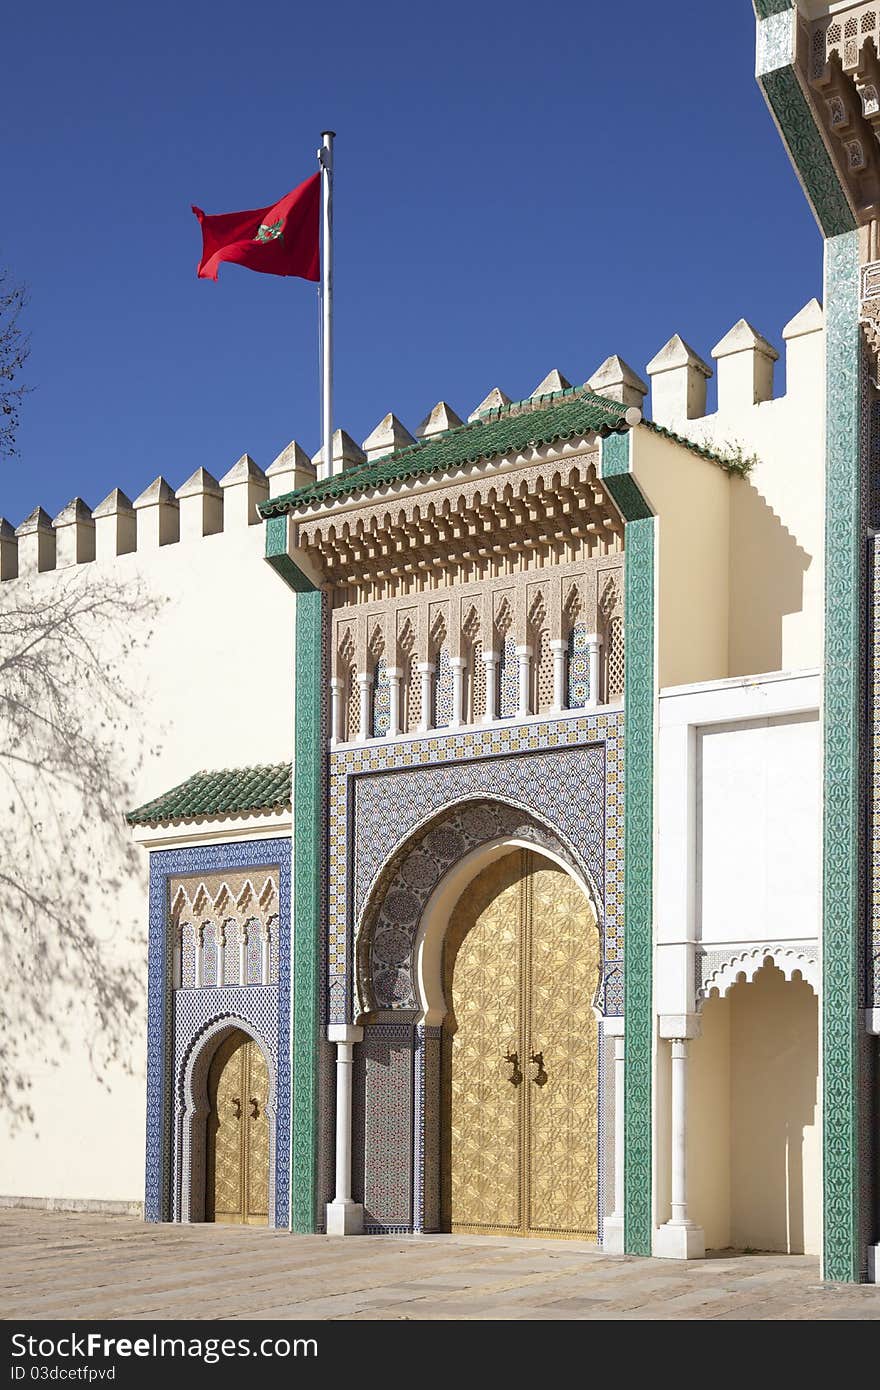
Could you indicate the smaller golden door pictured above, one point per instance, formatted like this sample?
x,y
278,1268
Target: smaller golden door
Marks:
x,y
237,1178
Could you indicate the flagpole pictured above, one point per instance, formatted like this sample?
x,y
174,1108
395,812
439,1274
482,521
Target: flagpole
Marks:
x,y
325,158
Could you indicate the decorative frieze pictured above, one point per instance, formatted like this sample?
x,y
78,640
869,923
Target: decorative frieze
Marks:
x,y
224,933
523,646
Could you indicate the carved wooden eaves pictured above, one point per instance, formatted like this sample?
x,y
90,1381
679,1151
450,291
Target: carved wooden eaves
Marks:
x,y
535,509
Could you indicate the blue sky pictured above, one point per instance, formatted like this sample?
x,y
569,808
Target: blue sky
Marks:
x,y
513,194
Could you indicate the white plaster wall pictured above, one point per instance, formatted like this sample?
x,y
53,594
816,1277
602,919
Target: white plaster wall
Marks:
x,y
758,829
205,669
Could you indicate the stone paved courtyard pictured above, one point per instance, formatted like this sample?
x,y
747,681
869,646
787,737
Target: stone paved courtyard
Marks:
x,y
74,1265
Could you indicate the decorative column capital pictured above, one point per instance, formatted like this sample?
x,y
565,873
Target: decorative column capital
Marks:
x,y
490,658
344,1033
458,663
523,650
559,644
364,677
394,673
680,1027
426,667
337,683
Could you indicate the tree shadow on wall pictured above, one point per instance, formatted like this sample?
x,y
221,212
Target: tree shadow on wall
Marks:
x,y
65,852
767,568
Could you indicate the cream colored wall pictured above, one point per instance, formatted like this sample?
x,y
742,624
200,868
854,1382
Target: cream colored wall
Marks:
x,y
205,667
754,1154
691,499
777,514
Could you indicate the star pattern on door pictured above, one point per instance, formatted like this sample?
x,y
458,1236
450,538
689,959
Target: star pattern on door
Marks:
x,y
521,971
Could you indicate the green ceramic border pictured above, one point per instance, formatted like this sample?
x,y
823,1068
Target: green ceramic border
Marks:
x,y
306,895
763,8
638,765
843,809
796,121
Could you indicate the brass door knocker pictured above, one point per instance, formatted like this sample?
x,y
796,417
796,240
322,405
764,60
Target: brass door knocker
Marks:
x,y
236,1108
516,1076
255,1108
539,1076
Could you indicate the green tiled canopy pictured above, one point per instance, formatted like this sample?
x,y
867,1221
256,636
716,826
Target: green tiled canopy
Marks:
x,y
232,790
566,415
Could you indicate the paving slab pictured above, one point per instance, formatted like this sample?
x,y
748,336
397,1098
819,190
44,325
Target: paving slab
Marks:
x,y
83,1266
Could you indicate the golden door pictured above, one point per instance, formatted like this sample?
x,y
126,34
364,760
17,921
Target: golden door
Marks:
x,y
521,1054
237,1185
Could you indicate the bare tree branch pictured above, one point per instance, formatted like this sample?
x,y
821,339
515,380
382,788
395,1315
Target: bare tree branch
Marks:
x,y
66,721
14,352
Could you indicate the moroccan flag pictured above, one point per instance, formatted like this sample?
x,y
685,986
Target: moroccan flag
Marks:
x,y
279,240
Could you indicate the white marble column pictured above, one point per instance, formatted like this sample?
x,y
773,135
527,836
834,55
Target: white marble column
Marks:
x,y
336,688
345,1217
426,672
594,642
679,1131
612,1231
365,691
198,956
243,937
559,648
395,675
265,957
457,663
490,661
177,960
524,661
679,1238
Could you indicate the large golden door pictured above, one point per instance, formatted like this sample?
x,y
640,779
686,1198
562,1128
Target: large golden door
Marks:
x,y
237,1178
520,1054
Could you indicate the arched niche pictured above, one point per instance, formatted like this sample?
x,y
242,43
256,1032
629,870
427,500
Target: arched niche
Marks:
x,y
193,1094
398,939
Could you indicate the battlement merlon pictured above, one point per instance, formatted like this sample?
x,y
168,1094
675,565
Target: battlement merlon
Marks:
x,y
202,507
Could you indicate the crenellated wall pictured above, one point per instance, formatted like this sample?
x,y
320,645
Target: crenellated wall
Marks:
x,y
159,516
777,512
152,641
167,647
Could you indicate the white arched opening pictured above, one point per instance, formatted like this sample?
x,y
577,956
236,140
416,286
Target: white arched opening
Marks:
x,y
754,1134
435,918
744,966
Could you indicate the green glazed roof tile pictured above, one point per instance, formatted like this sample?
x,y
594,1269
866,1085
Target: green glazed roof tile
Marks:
x,y
561,415
234,790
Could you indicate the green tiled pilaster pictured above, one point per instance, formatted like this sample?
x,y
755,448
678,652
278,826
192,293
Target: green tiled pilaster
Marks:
x,y
844,810
306,895
638,765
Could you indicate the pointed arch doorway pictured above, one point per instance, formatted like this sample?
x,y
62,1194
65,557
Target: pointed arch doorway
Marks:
x,y
520,1054
237,1167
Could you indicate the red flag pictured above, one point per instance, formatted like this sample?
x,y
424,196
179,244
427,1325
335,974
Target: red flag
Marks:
x,y
279,240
